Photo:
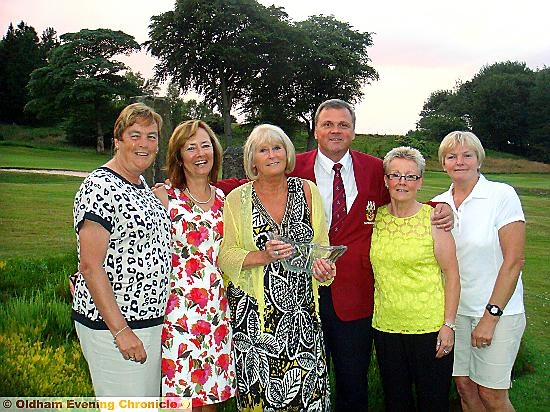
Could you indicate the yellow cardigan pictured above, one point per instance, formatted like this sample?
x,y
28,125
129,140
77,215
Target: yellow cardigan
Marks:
x,y
238,242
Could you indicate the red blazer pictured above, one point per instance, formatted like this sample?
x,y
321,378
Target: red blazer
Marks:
x,y
353,286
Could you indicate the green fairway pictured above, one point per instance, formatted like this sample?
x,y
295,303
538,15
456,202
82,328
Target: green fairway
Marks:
x,y
46,157
36,214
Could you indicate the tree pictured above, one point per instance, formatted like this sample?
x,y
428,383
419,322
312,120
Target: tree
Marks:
x,y
441,114
539,120
436,126
213,47
82,77
20,54
338,66
506,105
48,41
182,110
498,98
149,87
324,58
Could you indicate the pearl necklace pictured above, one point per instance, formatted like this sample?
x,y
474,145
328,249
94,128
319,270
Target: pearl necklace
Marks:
x,y
198,201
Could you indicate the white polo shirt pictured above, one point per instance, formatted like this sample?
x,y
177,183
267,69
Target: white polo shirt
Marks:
x,y
490,206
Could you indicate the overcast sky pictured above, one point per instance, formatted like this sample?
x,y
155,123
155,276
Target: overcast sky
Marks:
x,y
419,46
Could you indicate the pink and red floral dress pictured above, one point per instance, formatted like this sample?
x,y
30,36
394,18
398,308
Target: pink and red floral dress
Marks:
x,y
197,361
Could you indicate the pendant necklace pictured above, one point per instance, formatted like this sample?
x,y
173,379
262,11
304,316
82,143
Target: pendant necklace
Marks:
x,y
198,201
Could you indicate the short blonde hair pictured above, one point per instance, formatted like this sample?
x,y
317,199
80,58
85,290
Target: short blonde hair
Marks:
x,y
262,134
458,138
174,163
408,153
133,113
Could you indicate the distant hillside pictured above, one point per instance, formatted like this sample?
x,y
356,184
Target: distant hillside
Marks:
x,y
495,162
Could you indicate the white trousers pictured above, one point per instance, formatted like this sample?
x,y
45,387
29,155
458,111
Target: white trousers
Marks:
x,y
112,375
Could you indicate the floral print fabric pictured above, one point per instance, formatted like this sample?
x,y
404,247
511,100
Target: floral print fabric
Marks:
x,y
196,338
280,367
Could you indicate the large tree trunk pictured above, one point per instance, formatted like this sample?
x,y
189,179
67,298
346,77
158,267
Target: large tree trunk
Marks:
x,y
310,143
226,113
100,147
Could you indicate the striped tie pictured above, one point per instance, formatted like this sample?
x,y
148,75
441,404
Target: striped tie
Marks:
x,y
339,210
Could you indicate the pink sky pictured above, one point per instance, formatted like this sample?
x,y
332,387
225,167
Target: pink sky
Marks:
x,y
419,47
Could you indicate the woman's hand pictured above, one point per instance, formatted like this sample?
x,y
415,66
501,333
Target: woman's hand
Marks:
x,y
482,335
130,346
323,270
160,192
445,341
277,249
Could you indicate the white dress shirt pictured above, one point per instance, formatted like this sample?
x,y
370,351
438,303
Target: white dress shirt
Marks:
x,y
324,175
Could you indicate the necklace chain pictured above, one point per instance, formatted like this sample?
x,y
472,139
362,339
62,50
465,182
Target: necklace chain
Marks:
x,y
198,201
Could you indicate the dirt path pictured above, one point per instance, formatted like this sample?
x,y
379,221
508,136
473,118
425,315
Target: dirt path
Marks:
x,y
48,172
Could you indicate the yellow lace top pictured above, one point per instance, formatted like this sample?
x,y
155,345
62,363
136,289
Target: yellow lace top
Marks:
x,y
409,294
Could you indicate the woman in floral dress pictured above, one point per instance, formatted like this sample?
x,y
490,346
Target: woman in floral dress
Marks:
x,y
197,362
278,342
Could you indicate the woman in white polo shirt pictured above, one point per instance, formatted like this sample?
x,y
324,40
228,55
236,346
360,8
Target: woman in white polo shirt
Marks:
x,y
489,233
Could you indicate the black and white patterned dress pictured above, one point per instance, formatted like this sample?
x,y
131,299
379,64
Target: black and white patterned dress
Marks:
x,y
283,366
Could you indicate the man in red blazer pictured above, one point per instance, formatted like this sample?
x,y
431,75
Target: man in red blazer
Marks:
x,y
346,306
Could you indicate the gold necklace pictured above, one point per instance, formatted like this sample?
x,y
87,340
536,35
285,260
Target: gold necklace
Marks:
x,y
198,201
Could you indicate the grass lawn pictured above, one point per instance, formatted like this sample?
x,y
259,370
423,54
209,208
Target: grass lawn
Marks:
x,y
36,214
49,157
36,224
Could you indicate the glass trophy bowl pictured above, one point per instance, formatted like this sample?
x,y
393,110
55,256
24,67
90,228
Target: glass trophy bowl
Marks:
x,y
304,254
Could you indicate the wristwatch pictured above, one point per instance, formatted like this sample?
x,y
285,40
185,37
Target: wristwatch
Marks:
x,y
494,309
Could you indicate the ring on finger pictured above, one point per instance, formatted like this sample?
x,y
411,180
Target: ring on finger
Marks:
x,y
276,252
131,358
445,351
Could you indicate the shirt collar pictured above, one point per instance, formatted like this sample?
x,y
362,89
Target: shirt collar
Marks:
x,y
327,164
481,189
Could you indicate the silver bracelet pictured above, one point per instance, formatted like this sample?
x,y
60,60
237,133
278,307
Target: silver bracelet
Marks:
x,y
450,325
118,333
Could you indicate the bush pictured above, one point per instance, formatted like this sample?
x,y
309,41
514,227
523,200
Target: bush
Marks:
x,y
31,367
24,277
40,311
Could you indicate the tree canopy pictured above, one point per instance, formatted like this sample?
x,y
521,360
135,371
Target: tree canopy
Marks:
x,y
241,54
327,59
21,52
211,46
505,104
81,77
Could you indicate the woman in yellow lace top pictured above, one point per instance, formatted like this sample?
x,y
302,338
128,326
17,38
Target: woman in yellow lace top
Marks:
x,y
416,294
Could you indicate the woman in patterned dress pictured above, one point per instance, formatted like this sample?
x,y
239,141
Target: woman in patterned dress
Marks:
x,y
278,342
197,362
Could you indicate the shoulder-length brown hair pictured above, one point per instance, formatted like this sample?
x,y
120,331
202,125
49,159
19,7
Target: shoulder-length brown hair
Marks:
x,y
174,163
